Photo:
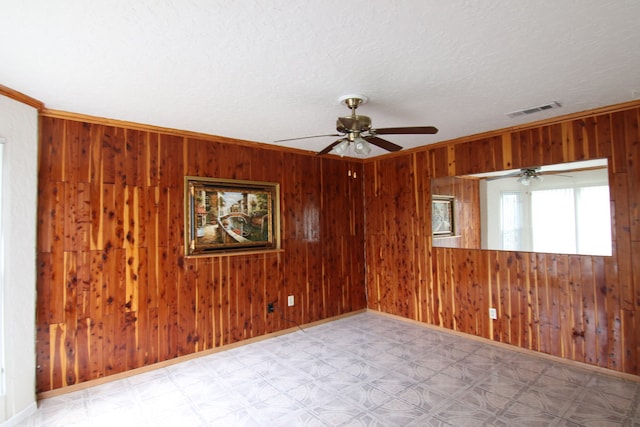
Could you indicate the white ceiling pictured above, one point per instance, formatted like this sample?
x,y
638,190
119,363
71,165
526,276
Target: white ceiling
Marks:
x,y
264,70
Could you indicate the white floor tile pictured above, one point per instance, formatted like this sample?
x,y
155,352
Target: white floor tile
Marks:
x,y
363,370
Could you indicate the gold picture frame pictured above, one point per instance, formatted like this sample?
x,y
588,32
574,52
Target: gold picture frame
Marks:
x,y
230,216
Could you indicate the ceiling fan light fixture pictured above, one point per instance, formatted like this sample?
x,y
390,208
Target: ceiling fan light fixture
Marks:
x,y
361,146
342,148
529,175
524,180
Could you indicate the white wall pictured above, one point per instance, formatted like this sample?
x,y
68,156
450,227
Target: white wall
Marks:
x,y
19,126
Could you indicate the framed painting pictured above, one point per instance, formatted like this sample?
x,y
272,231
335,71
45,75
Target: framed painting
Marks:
x,y
442,216
226,216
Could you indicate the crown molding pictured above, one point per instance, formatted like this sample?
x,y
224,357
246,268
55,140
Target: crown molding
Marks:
x,y
21,97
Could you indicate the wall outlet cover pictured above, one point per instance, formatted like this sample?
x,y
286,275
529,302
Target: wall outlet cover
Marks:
x,y
290,300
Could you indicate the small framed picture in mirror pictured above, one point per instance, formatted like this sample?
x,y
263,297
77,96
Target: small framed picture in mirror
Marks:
x,y
442,216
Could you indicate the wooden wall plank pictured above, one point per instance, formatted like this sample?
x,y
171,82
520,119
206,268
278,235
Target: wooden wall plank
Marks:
x,y
544,303
576,289
57,356
629,324
70,316
52,150
143,325
43,356
205,319
187,307
533,302
632,148
589,318
601,323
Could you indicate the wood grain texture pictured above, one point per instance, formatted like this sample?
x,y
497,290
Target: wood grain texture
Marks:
x,y
115,291
582,308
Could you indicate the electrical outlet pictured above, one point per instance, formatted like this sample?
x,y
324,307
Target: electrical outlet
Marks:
x,y
493,313
270,308
290,300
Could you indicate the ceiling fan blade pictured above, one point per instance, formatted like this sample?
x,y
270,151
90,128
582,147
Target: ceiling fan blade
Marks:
x,y
383,143
307,137
416,130
502,176
329,147
551,173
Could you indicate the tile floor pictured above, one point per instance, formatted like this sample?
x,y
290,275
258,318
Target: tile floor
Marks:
x,y
363,370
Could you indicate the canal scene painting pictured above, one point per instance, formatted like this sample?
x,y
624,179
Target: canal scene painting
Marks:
x,y
230,215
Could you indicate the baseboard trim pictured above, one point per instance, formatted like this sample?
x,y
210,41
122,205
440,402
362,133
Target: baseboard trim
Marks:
x,y
21,416
581,365
165,363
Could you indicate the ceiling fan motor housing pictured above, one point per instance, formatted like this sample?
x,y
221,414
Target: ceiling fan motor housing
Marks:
x,y
353,123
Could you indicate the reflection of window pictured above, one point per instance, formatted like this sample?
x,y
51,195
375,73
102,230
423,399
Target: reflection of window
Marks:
x,y
593,237
563,220
511,220
553,218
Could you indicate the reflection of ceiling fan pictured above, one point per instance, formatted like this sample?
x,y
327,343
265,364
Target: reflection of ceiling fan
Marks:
x,y
356,131
527,175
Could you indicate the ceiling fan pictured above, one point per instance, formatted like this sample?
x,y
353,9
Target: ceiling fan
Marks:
x,y
356,131
527,175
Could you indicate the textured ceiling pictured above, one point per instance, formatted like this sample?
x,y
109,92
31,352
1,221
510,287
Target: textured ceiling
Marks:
x,y
264,70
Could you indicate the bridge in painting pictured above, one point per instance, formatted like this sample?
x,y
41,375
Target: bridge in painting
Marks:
x,y
233,226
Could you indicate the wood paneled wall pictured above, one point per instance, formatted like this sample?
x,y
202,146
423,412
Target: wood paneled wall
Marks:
x,y
582,308
115,291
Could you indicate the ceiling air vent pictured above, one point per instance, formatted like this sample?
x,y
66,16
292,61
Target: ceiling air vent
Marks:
x,y
531,110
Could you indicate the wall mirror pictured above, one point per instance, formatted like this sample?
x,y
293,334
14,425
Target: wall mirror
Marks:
x,y
562,208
